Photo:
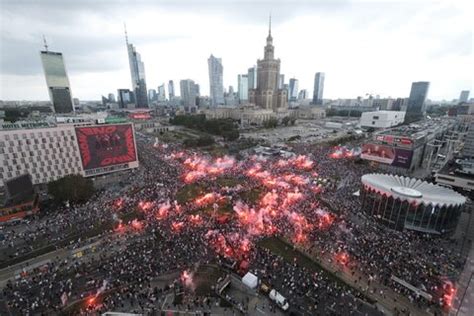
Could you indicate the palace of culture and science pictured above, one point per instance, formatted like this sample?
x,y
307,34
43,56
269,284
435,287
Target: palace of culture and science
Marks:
x,y
267,95
266,101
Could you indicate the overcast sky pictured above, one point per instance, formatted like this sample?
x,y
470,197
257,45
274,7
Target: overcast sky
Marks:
x,y
377,47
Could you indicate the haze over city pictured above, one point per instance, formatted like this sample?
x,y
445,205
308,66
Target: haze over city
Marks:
x,y
363,47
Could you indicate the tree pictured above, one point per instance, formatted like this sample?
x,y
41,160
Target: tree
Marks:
x,y
73,188
231,135
270,123
285,120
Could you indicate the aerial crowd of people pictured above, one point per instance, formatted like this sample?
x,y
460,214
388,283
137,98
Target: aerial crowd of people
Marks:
x,y
194,209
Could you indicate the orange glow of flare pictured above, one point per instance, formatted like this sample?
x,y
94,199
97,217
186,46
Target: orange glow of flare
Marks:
x,y
137,224
177,226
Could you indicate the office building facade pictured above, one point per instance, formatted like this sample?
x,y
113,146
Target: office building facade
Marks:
x,y
464,96
125,98
137,70
189,92
416,101
49,152
318,88
252,77
59,89
293,86
111,97
161,93
302,94
243,83
46,154
281,81
171,90
152,95
216,80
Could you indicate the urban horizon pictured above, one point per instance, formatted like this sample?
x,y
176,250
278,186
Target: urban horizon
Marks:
x,y
339,83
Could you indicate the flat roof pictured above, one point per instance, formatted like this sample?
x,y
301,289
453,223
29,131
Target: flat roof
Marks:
x,y
415,131
450,170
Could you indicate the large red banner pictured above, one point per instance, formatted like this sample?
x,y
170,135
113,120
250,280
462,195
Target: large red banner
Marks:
x,y
106,145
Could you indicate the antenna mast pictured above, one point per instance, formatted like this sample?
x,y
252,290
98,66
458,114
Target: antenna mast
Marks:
x,y
126,35
45,43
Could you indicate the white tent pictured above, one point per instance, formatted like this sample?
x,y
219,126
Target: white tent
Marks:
x,y
251,280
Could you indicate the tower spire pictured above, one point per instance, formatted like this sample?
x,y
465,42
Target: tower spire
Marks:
x,y
126,35
270,24
45,43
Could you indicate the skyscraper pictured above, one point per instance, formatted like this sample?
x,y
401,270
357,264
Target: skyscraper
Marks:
x,y
152,95
302,94
267,95
252,77
161,93
464,96
293,89
170,89
57,81
243,83
188,93
416,101
111,97
281,81
216,80
137,70
318,88
124,98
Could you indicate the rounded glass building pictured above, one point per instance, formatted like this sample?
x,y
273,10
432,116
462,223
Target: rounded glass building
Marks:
x,y
400,202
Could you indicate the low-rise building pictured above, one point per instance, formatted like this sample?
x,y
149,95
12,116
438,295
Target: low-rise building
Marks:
x,y
381,119
406,148
49,151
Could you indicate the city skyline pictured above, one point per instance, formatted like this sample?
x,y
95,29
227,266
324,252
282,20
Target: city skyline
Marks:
x,y
355,56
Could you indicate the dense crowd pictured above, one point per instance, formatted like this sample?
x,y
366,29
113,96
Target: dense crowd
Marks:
x,y
173,237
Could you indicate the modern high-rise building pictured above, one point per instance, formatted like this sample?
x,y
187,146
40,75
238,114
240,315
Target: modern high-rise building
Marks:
x,y
125,97
416,101
161,93
243,83
281,81
137,70
318,88
468,148
171,89
152,95
293,86
302,94
252,77
464,96
59,89
188,93
111,97
267,95
216,81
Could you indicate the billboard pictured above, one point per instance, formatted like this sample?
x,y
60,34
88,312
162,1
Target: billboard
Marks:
x,y
393,156
140,116
103,146
399,141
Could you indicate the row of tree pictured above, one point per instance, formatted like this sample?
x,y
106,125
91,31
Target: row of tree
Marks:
x,y
336,112
73,188
273,122
227,128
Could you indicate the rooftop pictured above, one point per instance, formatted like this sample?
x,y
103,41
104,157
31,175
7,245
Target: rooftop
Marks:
x,y
417,130
412,190
455,169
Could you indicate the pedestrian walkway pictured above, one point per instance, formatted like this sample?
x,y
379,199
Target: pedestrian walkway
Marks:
x,y
386,298
463,304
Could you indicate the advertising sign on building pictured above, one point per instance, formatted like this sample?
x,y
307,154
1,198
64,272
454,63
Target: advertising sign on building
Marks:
x,y
140,116
106,145
393,156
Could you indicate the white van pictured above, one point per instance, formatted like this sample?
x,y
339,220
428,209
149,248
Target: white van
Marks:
x,y
279,299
